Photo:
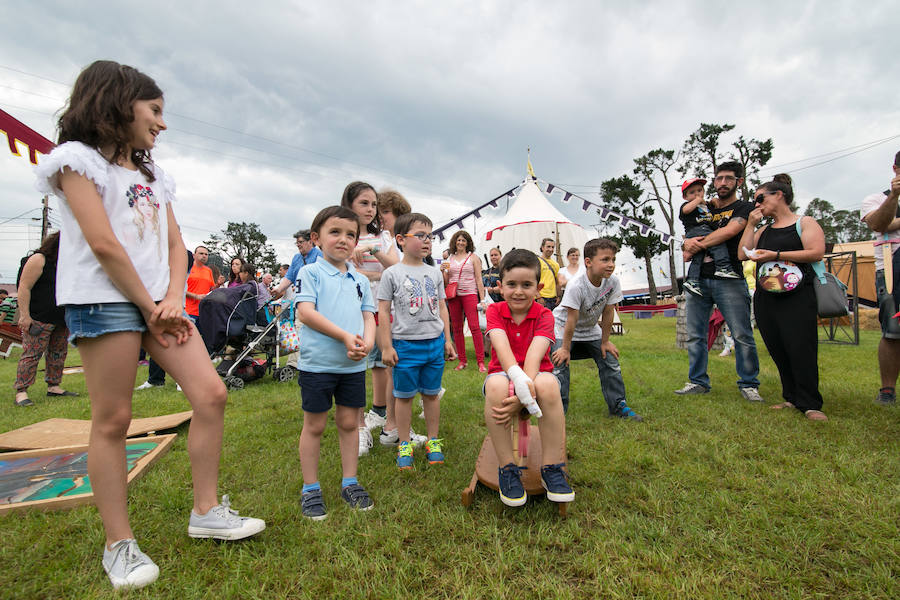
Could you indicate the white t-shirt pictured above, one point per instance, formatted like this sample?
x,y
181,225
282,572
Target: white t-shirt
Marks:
x,y
589,301
870,203
370,263
137,213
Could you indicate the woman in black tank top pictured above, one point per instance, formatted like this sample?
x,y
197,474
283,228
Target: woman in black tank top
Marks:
x,y
785,300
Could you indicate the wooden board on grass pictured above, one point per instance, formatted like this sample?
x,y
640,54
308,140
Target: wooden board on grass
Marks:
x,y
56,478
72,432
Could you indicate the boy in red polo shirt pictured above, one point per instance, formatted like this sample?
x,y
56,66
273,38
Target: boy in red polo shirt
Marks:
x,y
521,333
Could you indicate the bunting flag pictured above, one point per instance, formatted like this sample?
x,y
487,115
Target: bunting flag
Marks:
x,y
18,133
605,213
475,212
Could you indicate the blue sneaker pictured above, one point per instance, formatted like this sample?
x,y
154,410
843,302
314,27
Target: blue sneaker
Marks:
x,y
433,451
556,482
405,456
623,412
512,492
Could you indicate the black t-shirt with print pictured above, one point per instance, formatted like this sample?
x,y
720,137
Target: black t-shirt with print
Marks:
x,y
720,218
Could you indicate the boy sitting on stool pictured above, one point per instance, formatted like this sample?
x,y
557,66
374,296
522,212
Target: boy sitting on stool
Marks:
x,y
521,332
588,296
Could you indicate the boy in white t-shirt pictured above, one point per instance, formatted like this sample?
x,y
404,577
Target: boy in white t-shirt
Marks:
x,y
589,297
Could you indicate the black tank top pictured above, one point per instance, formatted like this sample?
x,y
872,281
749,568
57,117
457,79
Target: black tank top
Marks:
x,y
43,306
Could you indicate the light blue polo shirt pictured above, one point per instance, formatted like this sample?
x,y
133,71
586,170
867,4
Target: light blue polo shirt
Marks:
x,y
341,298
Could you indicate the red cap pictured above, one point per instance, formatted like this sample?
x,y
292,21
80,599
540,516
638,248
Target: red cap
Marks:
x,y
689,182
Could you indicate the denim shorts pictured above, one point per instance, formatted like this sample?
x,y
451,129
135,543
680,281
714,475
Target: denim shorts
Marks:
x,y
419,368
373,360
94,320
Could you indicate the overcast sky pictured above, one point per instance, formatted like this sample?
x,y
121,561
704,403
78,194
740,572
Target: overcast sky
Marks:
x,y
273,107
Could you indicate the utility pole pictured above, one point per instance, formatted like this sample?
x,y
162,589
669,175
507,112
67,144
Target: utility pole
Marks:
x,y
45,218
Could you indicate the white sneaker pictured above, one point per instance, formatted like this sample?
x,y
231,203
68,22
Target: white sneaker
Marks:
x,y
127,566
365,441
223,523
692,388
392,438
422,402
725,352
178,387
373,420
146,386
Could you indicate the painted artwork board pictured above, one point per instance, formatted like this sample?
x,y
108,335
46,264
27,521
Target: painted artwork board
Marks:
x,y
74,432
56,478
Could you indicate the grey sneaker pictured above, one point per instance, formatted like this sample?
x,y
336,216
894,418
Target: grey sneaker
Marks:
x,y
751,394
223,523
313,505
886,396
728,274
693,287
357,497
692,388
127,566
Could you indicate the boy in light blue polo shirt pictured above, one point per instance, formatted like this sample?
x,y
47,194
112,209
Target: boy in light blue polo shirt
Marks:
x,y
334,303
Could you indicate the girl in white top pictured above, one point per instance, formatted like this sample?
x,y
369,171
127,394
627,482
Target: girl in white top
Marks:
x,y
374,253
571,270
121,276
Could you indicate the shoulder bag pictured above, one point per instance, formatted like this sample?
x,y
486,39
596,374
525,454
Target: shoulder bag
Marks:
x,y
451,289
831,293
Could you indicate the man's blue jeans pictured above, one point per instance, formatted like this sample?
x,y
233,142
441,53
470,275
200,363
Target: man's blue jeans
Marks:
x,y
733,299
607,368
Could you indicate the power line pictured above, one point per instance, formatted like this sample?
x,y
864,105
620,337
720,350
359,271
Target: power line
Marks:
x,y
20,216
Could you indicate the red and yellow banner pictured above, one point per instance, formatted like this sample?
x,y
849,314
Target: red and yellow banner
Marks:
x,y
18,133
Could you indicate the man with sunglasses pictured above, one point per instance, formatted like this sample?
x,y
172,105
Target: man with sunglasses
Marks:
x,y
731,296
882,215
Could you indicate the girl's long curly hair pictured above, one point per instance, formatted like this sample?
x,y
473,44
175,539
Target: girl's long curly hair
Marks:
x,y
101,108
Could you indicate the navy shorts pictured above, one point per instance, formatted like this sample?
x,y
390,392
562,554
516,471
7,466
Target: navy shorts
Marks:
x,y
318,389
419,368
94,320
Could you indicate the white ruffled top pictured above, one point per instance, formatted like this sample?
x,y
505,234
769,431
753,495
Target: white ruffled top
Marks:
x,y
137,212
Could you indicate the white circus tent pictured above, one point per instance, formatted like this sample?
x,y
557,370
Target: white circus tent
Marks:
x,y
530,219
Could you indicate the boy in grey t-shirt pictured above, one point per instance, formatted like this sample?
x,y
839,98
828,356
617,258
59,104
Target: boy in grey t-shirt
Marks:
x,y
416,343
591,297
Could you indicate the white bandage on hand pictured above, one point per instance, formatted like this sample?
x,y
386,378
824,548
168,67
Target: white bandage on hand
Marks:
x,y
520,382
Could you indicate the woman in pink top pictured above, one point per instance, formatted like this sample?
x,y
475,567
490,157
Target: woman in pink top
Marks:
x,y
464,268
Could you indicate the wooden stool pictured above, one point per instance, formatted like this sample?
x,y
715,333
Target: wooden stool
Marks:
x,y
526,453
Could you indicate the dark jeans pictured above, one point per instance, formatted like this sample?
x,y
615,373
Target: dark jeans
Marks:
x,y
156,375
733,299
719,253
608,369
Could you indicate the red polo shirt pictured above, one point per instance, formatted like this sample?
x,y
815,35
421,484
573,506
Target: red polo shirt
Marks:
x,y
537,323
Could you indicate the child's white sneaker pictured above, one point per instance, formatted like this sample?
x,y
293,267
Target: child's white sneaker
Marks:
x,y
392,438
222,522
365,441
373,420
127,566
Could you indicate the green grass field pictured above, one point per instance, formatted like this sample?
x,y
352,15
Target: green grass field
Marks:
x,y
711,496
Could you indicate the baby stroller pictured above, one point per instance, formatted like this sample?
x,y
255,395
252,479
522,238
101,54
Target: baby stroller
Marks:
x,y
246,339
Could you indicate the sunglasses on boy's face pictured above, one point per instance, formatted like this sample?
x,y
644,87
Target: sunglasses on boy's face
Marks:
x,y
422,237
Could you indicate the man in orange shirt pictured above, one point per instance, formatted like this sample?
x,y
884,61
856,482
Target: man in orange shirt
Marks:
x,y
199,282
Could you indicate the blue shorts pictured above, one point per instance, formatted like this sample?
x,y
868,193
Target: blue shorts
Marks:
x,y
94,320
317,390
419,368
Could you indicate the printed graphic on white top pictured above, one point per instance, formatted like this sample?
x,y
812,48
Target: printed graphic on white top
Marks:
x,y
146,212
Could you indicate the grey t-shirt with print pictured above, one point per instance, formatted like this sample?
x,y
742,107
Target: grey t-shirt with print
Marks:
x,y
589,301
415,292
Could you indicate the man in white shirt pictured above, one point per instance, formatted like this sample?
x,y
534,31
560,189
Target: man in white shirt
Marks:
x,y
880,212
